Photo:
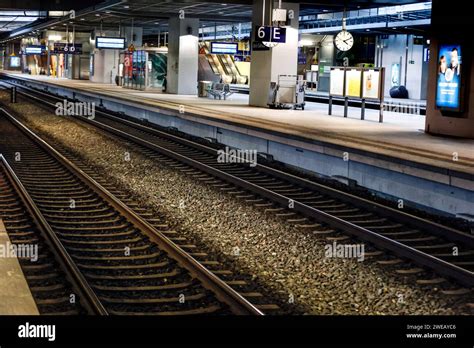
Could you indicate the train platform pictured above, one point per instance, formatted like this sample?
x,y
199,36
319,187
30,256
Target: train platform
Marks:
x,y
366,151
15,295
400,135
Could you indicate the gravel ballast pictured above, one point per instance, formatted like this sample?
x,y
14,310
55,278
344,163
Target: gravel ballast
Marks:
x,y
283,258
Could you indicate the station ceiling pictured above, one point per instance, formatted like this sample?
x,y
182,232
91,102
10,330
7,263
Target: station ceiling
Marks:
x,y
152,15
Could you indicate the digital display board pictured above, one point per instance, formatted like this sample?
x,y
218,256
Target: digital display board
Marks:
x,y
34,49
371,84
224,48
353,82
336,82
449,77
116,43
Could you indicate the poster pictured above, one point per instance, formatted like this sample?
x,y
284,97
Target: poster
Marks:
x,y
353,81
14,62
336,82
395,75
371,84
448,82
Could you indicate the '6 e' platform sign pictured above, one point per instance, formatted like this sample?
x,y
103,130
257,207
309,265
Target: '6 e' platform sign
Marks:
x,y
270,34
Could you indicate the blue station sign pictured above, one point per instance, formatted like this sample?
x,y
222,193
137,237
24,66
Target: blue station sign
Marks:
x,y
270,34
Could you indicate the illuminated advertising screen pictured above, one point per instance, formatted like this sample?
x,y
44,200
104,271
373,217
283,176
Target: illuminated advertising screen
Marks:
x,y
14,62
371,84
336,82
116,43
448,82
353,82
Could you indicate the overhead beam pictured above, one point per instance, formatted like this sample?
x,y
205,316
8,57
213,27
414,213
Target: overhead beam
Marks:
x,y
46,5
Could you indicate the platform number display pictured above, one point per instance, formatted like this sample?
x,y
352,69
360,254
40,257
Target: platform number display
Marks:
x,y
270,34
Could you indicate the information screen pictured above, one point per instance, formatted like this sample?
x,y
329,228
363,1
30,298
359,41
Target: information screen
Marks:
x,y
353,82
449,77
117,43
336,82
224,48
34,49
371,84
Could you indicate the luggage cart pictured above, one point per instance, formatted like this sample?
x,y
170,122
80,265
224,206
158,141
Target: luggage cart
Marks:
x,y
288,91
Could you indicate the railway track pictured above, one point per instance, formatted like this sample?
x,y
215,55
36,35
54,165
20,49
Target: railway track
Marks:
x,y
130,267
310,205
55,283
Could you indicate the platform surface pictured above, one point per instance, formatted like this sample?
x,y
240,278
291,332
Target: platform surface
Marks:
x,y
15,295
400,135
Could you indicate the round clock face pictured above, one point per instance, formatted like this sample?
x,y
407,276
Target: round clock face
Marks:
x,y
344,41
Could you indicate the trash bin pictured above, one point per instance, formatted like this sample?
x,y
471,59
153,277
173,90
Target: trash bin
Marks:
x,y
203,88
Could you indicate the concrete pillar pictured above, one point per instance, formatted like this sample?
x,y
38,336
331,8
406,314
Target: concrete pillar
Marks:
x,y
279,60
183,55
451,30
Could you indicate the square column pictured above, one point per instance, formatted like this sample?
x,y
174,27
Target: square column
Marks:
x,y
280,60
183,56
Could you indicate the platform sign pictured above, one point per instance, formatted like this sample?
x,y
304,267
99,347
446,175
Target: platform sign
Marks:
x,y
353,83
62,47
224,48
116,43
259,46
270,34
371,84
449,78
336,82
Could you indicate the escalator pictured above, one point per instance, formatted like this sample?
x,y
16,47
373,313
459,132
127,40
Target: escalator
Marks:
x,y
223,65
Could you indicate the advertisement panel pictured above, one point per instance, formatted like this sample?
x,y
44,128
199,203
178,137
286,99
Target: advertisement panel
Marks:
x,y
336,82
353,82
449,77
371,84
14,62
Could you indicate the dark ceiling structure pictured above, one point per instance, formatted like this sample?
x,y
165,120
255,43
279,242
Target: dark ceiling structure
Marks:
x,y
152,15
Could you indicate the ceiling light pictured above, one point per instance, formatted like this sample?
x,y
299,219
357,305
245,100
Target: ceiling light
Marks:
x,y
126,6
97,15
82,19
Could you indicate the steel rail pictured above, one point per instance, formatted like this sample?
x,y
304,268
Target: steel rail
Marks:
x,y
442,267
87,296
209,280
